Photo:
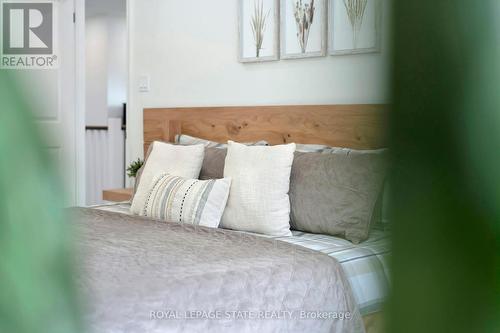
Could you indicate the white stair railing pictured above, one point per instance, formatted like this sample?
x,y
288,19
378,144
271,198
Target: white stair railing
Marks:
x,y
105,158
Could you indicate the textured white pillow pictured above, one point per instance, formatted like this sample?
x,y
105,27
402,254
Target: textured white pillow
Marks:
x,y
182,200
258,199
181,161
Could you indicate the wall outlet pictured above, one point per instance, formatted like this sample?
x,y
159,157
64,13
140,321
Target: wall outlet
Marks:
x,y
144,83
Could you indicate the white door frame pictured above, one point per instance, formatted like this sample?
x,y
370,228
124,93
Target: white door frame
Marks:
x,y
130,101
80,100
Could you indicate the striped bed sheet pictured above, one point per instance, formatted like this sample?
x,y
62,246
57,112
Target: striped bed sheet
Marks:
x,y
365,264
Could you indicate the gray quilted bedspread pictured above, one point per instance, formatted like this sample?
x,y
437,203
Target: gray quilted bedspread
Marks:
x,y
140,275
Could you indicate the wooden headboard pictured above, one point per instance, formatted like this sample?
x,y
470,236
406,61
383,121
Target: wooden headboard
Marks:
x,y
352,126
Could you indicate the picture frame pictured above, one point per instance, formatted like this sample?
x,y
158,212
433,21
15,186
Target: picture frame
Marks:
x,y
303,35
354,32
258,30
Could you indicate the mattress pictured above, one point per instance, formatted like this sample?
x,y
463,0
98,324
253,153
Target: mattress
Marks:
x,y
365,265
212,280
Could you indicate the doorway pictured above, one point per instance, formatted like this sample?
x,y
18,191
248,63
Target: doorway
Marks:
x,y
105,96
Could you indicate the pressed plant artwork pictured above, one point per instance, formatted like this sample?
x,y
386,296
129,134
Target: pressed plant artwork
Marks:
x,y
303,28
304,18
355,26
258,24
355,11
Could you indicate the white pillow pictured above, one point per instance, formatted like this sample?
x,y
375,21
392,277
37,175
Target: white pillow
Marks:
x,y
258,199
182,200
181,161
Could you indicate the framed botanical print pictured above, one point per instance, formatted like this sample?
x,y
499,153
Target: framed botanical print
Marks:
x,y
354,26
303,28
258,30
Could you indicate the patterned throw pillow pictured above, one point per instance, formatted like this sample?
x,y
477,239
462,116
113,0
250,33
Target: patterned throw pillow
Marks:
x,y
182,200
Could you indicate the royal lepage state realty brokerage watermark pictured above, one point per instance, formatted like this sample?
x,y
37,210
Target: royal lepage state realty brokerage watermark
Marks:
x,y
28,34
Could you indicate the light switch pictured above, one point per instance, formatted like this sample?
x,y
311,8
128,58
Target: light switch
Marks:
x,y
144,83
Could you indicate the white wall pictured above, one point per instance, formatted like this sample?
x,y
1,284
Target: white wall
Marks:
x,y
117,64
96,77
189,49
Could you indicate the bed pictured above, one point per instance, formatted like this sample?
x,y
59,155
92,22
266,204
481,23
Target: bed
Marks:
x,y
303,282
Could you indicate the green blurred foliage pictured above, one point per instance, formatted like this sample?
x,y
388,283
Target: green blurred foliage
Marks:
x,y
36,282
445,138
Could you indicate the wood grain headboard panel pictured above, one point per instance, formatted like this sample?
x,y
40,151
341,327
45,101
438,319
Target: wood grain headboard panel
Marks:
x,y
353,126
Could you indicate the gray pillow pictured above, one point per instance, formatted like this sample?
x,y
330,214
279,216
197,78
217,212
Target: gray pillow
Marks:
x,y
213,164
386,204
187,140
336,193
380,216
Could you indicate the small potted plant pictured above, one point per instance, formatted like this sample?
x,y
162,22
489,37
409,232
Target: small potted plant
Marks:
x,y
134,167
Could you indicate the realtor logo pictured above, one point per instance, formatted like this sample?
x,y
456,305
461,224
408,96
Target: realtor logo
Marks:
x,y
27,28
28,35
